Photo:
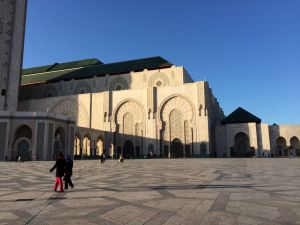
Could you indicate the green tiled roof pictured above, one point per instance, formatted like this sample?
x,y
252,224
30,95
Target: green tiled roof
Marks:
x,y
240,115
87,69
61,66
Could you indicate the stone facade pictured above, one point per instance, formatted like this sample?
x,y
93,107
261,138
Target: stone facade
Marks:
x,y
155,109
150,111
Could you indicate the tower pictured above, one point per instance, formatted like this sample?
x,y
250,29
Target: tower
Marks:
x,y
12,29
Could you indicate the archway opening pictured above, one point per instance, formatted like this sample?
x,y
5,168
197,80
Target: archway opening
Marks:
x,y
128,150
100,147
22,143
176,148
150,151
23,149
241,145
281,147
295,146
86,148
77,142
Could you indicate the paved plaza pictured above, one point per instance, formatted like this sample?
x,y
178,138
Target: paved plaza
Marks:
x,y
154,191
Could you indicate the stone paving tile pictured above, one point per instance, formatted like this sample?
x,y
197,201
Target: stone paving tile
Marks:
x,y
152,192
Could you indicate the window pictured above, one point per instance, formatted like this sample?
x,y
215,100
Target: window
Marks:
x,y
118,87
82,90
3,92
158,83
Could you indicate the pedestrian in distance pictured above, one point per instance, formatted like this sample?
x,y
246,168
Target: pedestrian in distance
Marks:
x,y
68,172
103,157
60,170
121,159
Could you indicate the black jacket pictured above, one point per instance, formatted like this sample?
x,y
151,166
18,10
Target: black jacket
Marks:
x,y
59,166
69,167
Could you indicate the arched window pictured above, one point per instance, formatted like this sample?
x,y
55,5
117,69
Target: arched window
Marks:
x,y
3,92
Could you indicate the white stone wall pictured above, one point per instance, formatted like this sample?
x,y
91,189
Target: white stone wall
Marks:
x,y
285,131
263,140
97,110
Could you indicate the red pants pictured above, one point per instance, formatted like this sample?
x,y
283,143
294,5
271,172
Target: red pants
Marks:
x,y
59,182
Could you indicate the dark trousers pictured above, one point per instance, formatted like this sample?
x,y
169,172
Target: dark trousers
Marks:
x,y
68,181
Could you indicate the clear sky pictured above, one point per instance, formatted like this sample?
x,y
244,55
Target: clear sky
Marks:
x,y
248,50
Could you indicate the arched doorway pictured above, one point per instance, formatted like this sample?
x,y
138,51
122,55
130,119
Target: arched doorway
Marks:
x,y
100,147
59,142
86,148
128,150
23,149
295,146
22,143
77,146
176,149
150,151
281,148
241,145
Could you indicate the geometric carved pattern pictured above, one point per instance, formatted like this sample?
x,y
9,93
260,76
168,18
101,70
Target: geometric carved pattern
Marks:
x,y
128,124
158,79
73,108
50,91
187,132
179,103
82,87
3,127
50,141
71,140
6,30
133,108
173,113
118,82
40,141
295,143
176,125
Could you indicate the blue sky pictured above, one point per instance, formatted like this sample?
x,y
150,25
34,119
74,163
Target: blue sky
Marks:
x,y
248,50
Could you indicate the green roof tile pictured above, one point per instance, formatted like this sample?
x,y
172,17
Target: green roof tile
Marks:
x,y
61,66
71,70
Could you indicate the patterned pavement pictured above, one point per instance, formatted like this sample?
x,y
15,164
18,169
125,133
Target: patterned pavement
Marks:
x,y
154,191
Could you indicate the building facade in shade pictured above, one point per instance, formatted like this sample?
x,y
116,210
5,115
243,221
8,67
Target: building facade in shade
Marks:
x,y
23,133
144,107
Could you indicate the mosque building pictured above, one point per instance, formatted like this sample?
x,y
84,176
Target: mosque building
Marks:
x,y
140,108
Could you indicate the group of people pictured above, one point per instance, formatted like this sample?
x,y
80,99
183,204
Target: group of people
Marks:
x,y
64,169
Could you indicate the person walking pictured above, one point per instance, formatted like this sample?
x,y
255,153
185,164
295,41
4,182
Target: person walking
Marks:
x,y
103,157
60,169
68,172
121,159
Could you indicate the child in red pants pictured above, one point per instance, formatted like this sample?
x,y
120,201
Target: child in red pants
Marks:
x,y
60,169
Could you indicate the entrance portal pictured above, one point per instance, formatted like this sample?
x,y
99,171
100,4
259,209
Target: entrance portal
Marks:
x,y
176,149
128,150
241,145
24,150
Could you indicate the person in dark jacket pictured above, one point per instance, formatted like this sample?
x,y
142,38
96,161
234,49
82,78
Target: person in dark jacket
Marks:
x,y
60,170
68,172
